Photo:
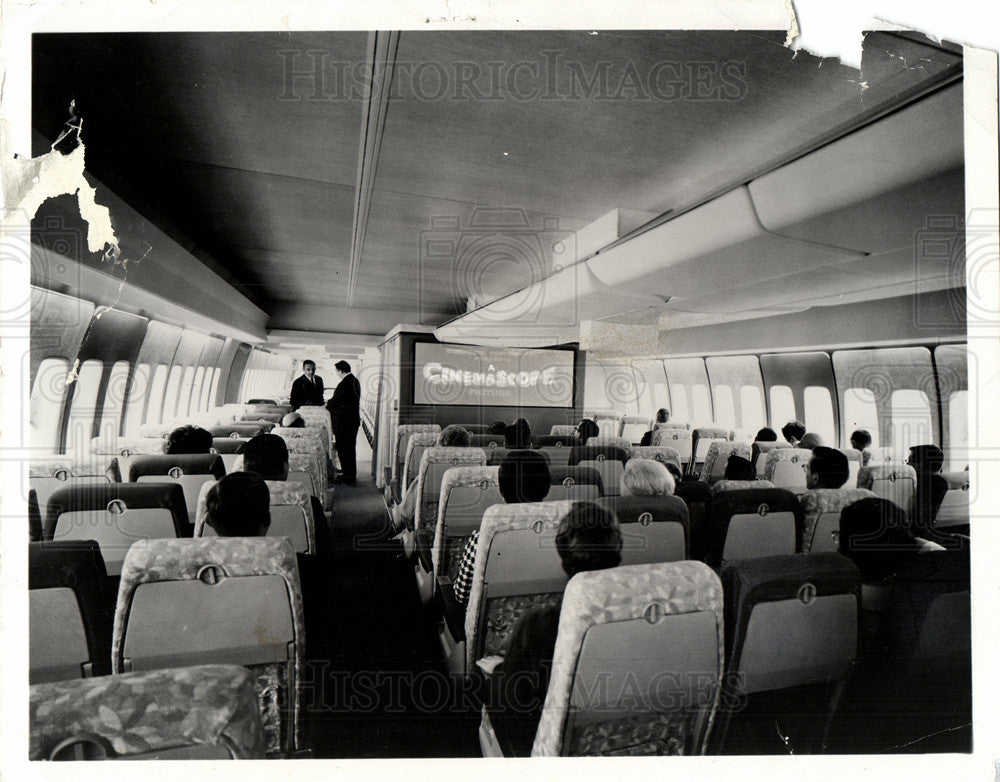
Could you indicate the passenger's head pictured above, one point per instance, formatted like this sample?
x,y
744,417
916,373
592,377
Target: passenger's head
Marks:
x,y
874,534
810,440
454,436
342,367
860,439
739,469
189,439
497,427
926,459
647,478
588,539
793,431
239,506
267,456
766,435
293,421
524,477
518,434
308,367
662,415
586,429
828,468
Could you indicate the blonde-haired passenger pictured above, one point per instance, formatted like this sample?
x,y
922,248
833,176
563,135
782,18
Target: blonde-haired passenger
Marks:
x,y
647,478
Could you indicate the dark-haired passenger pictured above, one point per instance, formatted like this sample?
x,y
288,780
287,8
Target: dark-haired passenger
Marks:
x,y
588,538
828,468
793,432
188,440
523,477
860,439
875,534
586,429
739,469
497,427
927,461
766,435
518,434
662,417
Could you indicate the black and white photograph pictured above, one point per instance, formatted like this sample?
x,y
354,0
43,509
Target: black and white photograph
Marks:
x,y
477,383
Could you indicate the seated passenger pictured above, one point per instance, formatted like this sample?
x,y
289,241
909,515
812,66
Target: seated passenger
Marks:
x,y
453,436
293,421
793,431
662,416
766,435
523,477
518,434
238,505
647,478
266,455
587,429
860,439
927,461
739,469
810,440
828,469
189,439
497,427
874,534
588,539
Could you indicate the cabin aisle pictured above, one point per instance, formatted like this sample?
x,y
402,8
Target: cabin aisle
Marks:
x,y
376,687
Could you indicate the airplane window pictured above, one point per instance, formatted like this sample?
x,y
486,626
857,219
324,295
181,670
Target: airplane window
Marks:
x,y
725,411
678,396
114,400
46,403
84,406
911,420
860,412
702,403
819,413
782,406
196,391
170,395
958,430
154,415
214,391
752,415
136,399
187,386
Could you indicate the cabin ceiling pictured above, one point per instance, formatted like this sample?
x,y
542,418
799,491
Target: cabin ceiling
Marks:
x,y
484,164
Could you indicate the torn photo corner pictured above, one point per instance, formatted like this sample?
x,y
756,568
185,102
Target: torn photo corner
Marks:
x,y
654,184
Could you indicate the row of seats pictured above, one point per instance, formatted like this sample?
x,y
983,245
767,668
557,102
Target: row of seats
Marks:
x,y
180,602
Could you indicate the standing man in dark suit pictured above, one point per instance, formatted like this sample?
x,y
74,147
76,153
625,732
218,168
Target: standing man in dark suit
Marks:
x,y
307,388
345,415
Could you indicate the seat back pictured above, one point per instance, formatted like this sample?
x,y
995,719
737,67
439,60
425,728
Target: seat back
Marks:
x,y
315,431
607,423
434,463
759,451
786,468
654,529
46,476
206,712
792,625
581,484
821,516
717,457
553,441
893,481
611,471
400,444
677,438
188,470
126,446
619,631
240,429
853,467
226,446
116,515
633,427
416,444
749,523
563,430
658,453
466,493
597,452
487,441
260,417
954,508
517,567
701,439
186,602
696,496
69,624
556,456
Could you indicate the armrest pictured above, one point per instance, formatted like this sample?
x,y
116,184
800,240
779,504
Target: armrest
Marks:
x,y
424,542
454,611
397,493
